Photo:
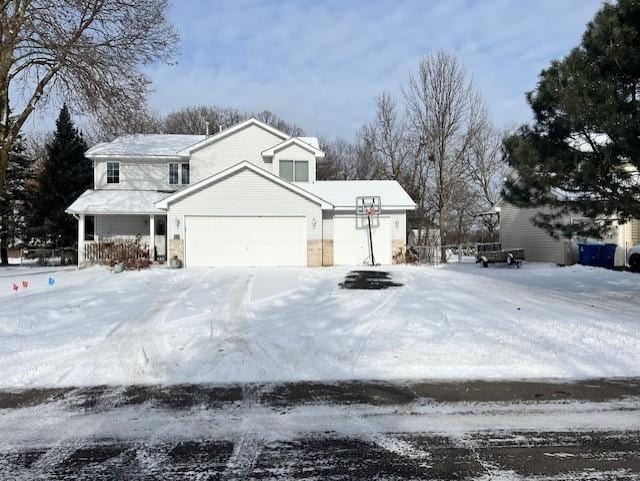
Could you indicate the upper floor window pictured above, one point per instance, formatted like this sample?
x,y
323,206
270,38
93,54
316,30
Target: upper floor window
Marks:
x,y
294,170
113,172
184,172
173,174
178,173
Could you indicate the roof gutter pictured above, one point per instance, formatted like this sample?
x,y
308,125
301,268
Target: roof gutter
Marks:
x,y
134,157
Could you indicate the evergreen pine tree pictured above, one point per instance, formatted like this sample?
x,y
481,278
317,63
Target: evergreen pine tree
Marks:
x,y
582,153
14,203
66,173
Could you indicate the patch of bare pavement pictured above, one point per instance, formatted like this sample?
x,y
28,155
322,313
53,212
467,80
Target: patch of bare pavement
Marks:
x,y
345,431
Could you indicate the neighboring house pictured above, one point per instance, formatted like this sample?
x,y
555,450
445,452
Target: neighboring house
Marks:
x,y
517,231
246,196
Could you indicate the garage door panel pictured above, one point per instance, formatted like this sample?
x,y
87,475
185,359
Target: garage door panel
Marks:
x,y
245,241
351,240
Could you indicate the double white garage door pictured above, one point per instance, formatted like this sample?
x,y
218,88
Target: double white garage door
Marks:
x,y
278,241
245,241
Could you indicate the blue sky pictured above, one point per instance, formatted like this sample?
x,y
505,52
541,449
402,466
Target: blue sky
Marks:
x,y
320,63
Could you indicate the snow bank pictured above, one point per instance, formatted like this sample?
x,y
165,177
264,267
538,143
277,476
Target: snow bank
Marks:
x,y
256,325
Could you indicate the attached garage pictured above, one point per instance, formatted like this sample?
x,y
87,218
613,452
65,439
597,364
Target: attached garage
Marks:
x,y
246,241
351,240
245,216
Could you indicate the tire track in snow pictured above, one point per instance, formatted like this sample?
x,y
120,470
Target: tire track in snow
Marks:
x,y
148,347
122,342
247,449
376,315
71,438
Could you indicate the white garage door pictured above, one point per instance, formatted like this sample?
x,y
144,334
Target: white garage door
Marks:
x,y
351,241
245,241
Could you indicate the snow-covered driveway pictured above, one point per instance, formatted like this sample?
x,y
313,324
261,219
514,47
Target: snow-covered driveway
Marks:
x,y
241,325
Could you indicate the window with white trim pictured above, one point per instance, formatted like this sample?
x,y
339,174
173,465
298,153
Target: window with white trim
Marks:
x,y
113,172
173,173
294,170
178,173
184,174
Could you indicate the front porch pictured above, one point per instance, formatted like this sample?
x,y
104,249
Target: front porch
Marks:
x,y
124,219
138,236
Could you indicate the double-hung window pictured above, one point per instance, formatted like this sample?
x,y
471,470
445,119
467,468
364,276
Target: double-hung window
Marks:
x,y
184,174
173,174
178,173
113,172
294,170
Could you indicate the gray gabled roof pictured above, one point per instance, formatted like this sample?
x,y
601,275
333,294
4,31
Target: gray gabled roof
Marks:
x,y
144,145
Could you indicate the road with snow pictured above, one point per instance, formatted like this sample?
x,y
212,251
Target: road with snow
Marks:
x,y
342,431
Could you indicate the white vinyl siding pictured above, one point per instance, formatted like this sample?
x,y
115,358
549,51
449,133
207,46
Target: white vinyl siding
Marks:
x,y
136,174
245,241
245,194
246,144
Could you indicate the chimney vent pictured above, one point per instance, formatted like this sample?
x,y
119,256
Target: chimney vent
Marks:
x,y
206,131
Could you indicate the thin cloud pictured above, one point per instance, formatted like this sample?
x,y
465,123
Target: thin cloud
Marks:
x,y
320,64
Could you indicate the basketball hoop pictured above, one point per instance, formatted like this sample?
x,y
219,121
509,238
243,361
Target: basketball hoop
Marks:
x,y
370,211
368,205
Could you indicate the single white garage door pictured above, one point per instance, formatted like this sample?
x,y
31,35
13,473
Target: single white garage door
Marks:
x,y
245,241
351,240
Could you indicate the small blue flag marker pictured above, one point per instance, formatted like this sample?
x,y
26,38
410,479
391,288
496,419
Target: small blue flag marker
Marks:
x,y
52,281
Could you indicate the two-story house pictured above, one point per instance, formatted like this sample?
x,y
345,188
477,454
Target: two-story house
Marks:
x,y
246,196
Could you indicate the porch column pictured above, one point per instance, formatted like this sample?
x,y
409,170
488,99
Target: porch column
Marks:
x,y
80,239
152,237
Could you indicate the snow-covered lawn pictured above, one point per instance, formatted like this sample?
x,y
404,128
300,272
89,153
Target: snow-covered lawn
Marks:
x,y
240,325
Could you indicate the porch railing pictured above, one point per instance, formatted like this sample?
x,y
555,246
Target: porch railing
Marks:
x,y
110,251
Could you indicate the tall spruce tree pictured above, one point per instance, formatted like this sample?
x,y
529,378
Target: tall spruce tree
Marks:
x,y
582,153
66,173
14,203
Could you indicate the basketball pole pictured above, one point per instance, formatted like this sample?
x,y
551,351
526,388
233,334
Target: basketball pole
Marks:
x,y
373,259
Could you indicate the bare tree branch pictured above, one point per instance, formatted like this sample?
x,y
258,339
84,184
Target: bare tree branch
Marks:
x,y
85,52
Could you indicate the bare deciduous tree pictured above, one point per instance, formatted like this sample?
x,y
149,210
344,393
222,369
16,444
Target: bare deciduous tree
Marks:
x,y
387,139
346,160
274,121
87,52
486,166
192,120
443,107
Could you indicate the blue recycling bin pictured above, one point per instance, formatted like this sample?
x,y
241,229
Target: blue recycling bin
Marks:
x,y
608,256
589,254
